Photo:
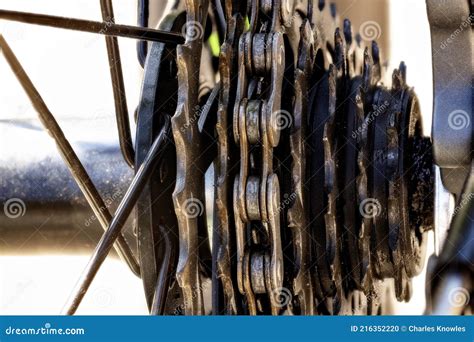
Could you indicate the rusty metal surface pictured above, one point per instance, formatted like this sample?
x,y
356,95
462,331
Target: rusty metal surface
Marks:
x,y
188,195
225,293
295,181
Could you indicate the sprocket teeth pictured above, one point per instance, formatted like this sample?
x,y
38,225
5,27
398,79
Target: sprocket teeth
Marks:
x,y
321,4
345,75
367,70
340,53
333,9
403,72
376,62
397,81
348,32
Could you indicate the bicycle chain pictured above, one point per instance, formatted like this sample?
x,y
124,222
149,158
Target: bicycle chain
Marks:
x,y
323,209
347,140
257,187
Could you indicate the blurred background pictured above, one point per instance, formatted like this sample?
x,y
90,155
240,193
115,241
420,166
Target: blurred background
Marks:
x,y
70,70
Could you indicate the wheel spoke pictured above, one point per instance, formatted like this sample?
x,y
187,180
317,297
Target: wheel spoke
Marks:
x,y
107,29
69,156
120,217
118,87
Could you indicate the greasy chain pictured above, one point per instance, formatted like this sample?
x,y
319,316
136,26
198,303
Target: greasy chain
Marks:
x,y
310,166
261,59
299,153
